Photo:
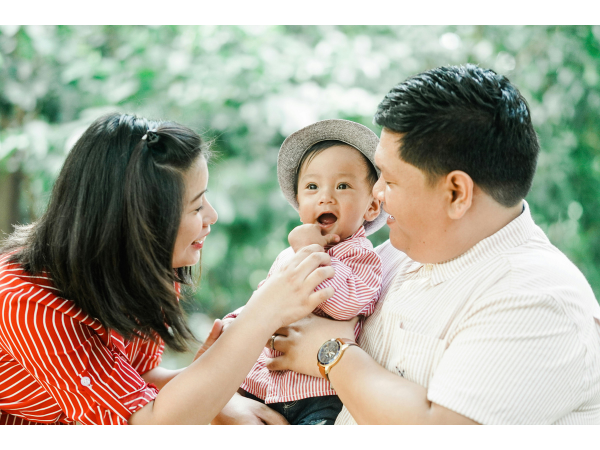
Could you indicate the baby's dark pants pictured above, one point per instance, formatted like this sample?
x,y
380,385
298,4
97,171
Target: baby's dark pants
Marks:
x,y
308,411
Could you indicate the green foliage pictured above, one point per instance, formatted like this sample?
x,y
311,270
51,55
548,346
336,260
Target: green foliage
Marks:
x,y
249,87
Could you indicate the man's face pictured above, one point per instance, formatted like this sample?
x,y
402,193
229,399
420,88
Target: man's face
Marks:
x,y
417,225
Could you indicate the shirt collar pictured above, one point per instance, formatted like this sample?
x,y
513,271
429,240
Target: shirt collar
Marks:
x,y
510,236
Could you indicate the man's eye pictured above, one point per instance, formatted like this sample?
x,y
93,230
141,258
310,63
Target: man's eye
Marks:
x,y
311,186
342,186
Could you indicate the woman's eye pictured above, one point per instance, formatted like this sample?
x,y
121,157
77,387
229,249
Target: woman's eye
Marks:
x,y
342,186
311,187
199,209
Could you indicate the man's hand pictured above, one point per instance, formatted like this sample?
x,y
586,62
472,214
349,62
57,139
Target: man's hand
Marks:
x,y
245,411
300,342
308,234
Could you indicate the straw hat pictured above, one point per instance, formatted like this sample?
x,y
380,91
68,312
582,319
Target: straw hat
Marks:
x,y
293,148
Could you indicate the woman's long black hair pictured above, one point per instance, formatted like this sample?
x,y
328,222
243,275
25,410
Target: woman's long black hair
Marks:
x,y
108,235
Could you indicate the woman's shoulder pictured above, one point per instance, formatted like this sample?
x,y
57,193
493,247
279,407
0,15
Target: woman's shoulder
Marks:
x,y
14,277
21,293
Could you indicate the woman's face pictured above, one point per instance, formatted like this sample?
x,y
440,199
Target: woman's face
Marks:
x,y
198,216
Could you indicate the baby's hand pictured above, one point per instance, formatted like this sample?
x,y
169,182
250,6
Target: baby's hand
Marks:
x,y
309,234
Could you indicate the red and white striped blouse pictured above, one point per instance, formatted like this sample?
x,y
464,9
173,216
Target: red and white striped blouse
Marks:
x,y
357,284
58,365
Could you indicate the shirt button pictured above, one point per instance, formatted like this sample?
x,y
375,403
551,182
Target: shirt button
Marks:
x,y
85,381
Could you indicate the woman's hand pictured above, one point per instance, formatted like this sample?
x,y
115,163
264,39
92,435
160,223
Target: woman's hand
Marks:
x,y
213,335
217,330
301,341
245,411
201,391
289,294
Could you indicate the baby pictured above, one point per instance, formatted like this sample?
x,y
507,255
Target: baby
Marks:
x,y
326,172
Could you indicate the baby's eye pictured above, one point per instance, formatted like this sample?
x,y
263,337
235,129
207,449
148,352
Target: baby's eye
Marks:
x,y
311,186
343,186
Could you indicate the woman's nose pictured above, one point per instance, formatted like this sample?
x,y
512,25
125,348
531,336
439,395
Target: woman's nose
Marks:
x,y
211,215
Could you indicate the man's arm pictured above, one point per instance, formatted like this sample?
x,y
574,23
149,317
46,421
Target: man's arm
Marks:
x,y
514,359
372,394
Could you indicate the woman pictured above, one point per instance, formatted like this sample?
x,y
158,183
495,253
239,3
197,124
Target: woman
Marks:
x,y
89,293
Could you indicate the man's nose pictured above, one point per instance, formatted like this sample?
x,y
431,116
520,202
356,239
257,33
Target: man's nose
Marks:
x,y
378,189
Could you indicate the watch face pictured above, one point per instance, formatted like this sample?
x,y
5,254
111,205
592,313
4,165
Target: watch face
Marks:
x,y
328,352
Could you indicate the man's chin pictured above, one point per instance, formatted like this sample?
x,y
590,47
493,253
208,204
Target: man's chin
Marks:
x,y
398,243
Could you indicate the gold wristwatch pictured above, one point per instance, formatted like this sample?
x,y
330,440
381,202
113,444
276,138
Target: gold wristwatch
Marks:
x,y
331,352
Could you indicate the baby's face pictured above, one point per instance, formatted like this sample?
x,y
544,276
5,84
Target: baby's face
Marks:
x,y
334,193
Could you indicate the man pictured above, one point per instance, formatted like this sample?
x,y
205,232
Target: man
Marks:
x,y
481,319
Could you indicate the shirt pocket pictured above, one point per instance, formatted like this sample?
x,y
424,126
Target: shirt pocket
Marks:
x,y
415,356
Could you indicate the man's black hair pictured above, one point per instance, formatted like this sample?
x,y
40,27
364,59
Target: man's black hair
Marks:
x,y
465,118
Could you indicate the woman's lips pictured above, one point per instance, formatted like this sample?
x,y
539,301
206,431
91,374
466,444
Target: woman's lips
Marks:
x,y
198,243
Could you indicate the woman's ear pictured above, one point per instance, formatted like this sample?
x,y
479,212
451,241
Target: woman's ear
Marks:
x,y
459,188
373,210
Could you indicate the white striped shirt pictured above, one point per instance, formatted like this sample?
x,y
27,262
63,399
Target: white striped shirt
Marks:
x,y
357,284
507,333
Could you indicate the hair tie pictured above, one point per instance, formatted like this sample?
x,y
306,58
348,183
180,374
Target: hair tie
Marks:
x,y
151,137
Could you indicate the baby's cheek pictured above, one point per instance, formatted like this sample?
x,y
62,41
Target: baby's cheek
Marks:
x,y
306,217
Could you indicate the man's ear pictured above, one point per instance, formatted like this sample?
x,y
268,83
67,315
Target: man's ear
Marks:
x,y
459,188
373,210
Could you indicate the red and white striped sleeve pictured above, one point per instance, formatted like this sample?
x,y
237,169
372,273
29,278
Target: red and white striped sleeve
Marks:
x,y
357,280
148,354
91,381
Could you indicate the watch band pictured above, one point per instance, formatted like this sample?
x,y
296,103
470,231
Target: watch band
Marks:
x,y
345,343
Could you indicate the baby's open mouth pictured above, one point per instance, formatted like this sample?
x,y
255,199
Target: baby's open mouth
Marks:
x,y
327,219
